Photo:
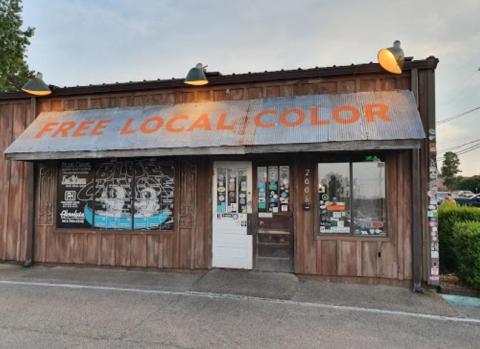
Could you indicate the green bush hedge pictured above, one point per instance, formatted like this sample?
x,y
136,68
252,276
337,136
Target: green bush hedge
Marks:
x,y
448,215
466,248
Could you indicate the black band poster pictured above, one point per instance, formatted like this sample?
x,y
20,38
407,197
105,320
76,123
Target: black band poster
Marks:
x,y
121,195
113,195
154,195
75,194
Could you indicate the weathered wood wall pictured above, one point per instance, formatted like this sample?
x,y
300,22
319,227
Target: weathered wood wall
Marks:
x,y
189,246
385,257
14,118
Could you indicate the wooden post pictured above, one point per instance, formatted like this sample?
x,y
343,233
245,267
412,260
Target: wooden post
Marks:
x,y
30,197
416,223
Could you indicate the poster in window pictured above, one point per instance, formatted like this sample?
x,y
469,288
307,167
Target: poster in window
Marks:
x,y
262,187
75,194
242,191
154,195
283,192
232,190
273,201
221,190
113,196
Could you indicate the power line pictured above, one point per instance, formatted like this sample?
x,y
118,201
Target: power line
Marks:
x,y
463,151
439,122
459,146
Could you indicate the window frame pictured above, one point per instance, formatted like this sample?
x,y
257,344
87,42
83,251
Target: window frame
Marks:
x,y
95,230
350,159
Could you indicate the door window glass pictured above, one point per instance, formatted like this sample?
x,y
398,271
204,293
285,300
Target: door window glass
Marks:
x,y
242,191
262,188
284,190
273,200
221,190
273,186
232,190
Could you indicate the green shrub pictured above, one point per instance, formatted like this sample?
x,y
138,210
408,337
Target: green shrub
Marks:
x,y
467,252
448,215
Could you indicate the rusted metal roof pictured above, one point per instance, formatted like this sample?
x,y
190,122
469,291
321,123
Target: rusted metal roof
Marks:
x,y
301,123
217,79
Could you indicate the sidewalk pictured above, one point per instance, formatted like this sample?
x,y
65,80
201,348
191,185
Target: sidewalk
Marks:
x,y
281,286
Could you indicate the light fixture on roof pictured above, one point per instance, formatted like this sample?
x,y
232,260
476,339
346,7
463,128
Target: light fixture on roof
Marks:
x,y
36,86
391,59
196,76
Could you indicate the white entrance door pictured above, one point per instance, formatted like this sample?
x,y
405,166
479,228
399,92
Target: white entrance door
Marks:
x,y
232,200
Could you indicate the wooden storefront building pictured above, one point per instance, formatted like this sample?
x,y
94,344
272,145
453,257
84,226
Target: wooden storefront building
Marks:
x,y
320,171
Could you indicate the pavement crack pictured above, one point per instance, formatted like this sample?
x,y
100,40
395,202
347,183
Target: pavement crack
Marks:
x,y
194,285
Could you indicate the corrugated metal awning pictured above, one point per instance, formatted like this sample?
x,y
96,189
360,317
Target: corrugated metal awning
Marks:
x,y
364,120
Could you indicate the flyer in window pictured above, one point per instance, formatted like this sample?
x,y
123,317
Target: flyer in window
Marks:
x,y
75,193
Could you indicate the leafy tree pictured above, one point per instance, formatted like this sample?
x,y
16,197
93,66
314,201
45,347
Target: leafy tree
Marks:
x,y
468,183
450,168
14,70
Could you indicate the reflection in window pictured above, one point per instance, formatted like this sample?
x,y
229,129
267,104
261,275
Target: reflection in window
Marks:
x,y
369,198
334,196
352,192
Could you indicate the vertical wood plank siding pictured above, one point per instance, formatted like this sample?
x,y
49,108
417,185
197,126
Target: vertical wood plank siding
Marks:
x,y
189,246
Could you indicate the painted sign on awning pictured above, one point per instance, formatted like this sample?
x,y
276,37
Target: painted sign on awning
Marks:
x,y
215,127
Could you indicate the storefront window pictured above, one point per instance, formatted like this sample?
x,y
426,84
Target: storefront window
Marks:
x,y
334,198
116,194
351,198
369,198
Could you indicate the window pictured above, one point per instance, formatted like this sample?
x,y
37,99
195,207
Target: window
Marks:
x,y
334,197
351,197
273,188
116,194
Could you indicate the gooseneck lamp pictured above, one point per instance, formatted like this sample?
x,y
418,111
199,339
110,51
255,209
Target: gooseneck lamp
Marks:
x,y
196,76
36,86
391,59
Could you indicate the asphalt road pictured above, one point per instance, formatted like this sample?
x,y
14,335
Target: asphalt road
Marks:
x,y
59,317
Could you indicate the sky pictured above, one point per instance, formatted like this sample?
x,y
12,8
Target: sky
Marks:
x,y
81,42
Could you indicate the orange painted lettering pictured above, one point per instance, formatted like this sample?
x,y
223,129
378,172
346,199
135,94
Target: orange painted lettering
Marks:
x,y
151,125
376,110
82,127
314,120
63,129
48,127
126,130
259,116
354,114
173,120
97,130
300,118
221,123
202,122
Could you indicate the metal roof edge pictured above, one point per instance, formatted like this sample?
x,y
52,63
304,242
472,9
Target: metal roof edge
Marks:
x,y
367,145
222,80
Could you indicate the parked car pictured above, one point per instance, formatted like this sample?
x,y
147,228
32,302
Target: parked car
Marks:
x,y
441,195
463,194
473,201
